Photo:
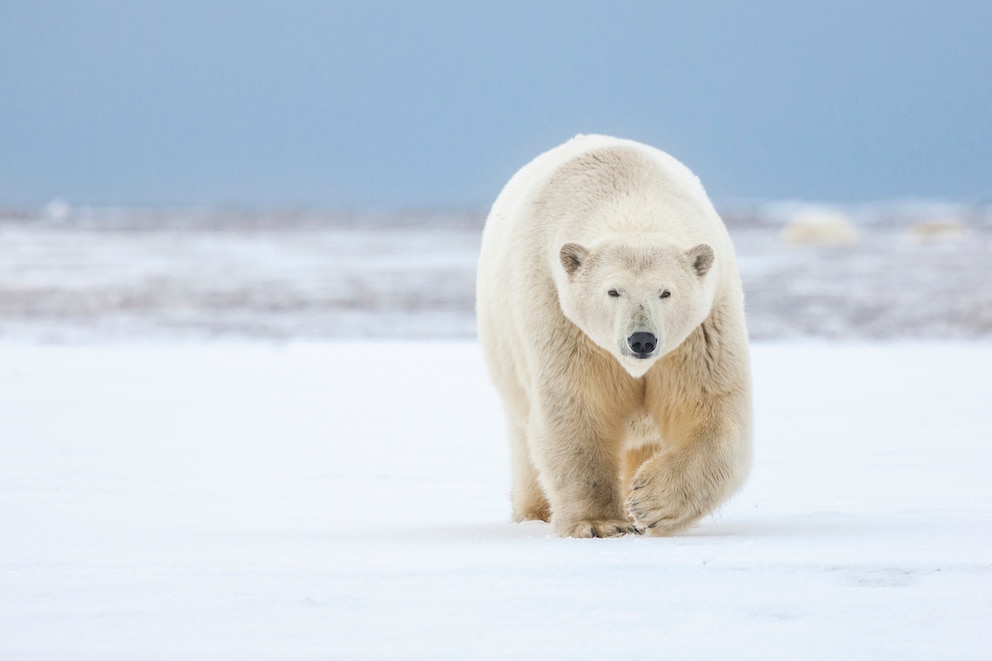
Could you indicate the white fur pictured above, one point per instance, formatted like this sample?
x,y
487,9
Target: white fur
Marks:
x,y
606,440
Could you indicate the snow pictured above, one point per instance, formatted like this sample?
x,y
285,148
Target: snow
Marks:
x,y
322,500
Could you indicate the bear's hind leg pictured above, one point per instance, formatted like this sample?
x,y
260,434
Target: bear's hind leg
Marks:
x,y
527,496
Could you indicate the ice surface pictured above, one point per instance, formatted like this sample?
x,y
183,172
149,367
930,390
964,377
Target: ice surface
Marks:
x,y
235,500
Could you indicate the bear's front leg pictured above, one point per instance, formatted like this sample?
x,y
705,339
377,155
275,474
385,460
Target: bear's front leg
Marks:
x,y
578,467
706,459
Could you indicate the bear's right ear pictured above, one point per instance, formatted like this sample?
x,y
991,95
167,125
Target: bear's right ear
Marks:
x,y
701,257
572,255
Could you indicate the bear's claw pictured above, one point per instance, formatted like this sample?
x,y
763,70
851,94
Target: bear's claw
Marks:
x,y
656,520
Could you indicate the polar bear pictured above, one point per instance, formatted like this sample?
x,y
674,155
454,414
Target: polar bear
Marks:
x,y
611,315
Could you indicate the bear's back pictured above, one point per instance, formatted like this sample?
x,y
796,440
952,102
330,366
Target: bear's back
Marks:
x,y
568,193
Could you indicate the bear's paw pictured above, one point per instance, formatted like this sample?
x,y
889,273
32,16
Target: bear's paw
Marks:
x,y
597,528
663,501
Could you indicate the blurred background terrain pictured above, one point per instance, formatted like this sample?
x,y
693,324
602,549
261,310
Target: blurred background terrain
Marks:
x,y
917,271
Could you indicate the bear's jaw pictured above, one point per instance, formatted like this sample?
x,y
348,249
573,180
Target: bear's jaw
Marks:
x,y
636,366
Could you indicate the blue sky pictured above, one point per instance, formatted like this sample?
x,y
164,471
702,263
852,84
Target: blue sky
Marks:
x,y
435,104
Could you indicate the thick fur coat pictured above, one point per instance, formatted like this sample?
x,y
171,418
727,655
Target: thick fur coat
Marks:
x,y
611,316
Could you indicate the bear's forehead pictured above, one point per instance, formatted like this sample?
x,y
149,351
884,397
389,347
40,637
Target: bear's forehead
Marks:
x,y
640,258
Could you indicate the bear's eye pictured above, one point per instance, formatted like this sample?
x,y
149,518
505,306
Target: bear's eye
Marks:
x,y
614,293
666,294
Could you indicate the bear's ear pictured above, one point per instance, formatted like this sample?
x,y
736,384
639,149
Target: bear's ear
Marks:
x,y
572,255
701,257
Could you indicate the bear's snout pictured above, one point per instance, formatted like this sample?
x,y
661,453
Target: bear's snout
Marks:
x,y
642,344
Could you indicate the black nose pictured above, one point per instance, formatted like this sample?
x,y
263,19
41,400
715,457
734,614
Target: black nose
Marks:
x,y
642,344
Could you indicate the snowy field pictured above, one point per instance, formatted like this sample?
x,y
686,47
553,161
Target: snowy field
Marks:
x,y
345,501
209,449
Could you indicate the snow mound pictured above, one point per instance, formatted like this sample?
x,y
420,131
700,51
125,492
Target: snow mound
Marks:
x,y
824,228
938,229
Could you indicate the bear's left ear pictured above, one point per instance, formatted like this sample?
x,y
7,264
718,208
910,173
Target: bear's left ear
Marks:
x,y
701,257
572,255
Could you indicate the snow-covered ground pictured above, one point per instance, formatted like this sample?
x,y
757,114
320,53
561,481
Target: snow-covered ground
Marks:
x,y
208,450
344,501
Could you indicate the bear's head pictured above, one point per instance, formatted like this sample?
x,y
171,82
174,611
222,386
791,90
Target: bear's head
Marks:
x,y
638,299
